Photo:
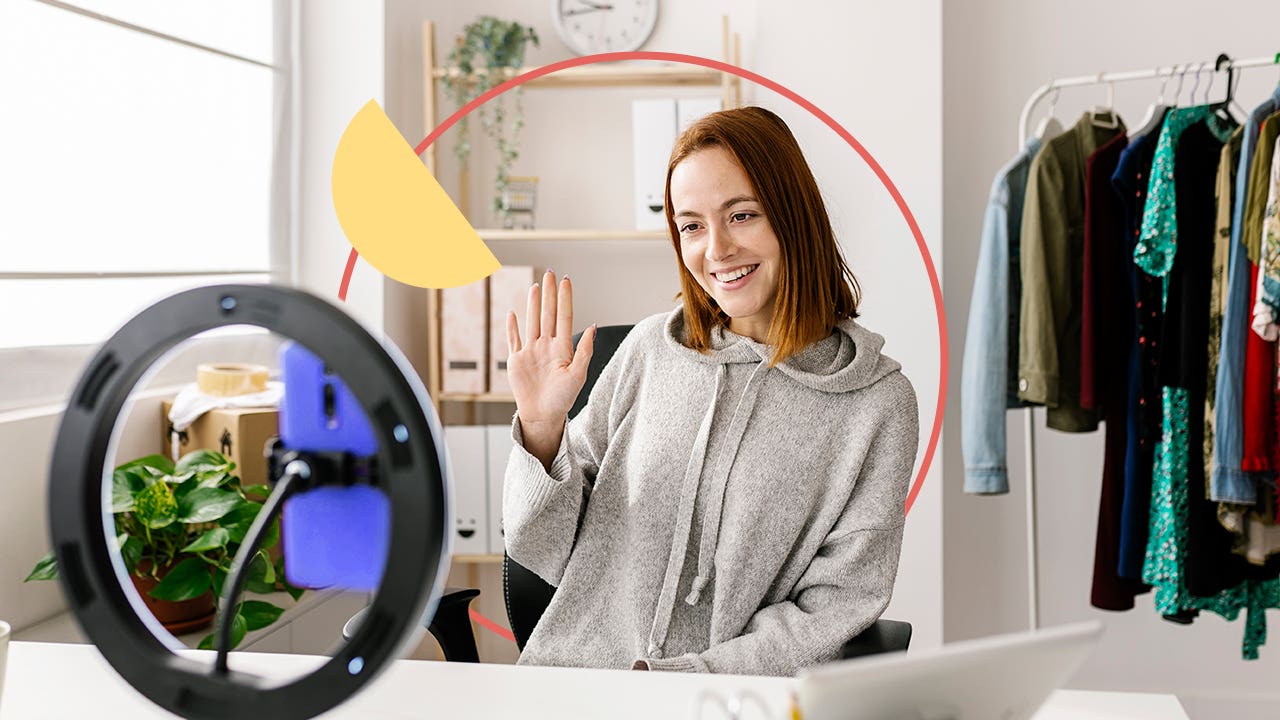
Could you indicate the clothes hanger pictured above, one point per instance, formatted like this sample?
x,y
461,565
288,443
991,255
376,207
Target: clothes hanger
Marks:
x,y
1105,117
1178,91
1191,100
1049,127
1156,110
1223,108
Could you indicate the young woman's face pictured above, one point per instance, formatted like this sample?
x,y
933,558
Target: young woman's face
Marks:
x,y
724,234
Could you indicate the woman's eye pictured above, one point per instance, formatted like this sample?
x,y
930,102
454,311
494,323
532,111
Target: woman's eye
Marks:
x,y
741,216
688,227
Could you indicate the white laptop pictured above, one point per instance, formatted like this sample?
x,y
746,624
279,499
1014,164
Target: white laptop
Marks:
x,y
1005,677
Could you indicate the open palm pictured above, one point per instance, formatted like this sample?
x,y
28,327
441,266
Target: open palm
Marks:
x,y
545,372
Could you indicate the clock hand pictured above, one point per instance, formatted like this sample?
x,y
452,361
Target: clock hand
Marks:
x,y
581,11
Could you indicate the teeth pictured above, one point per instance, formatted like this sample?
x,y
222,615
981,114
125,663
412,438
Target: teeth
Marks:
x,y
731,276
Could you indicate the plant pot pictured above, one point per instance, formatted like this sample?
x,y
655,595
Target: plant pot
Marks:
x,y
176,617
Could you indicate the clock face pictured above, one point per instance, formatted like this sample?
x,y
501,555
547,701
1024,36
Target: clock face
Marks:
x,y
599,26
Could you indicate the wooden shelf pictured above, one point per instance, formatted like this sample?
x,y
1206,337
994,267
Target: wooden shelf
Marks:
x,y
482,397
612,75
488,234
478,559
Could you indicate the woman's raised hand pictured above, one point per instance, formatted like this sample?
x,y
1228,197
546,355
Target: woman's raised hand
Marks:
x,y
545,373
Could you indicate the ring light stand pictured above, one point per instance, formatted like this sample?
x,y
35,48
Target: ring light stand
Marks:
x,y
411,464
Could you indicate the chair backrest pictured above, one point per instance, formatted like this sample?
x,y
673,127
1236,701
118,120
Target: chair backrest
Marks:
x,y
528,595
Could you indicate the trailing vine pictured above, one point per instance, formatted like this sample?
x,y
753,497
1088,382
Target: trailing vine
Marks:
x,y
489,52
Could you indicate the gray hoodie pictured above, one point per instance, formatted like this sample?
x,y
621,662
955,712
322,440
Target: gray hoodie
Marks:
x,y
706,512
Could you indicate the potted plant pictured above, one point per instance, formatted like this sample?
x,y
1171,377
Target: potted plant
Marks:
x,y
178,527
489,53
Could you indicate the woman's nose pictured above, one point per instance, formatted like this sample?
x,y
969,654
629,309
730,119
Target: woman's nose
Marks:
x,y
719,243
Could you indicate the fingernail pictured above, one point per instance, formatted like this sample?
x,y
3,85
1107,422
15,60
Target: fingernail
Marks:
x,y
565,276
550,271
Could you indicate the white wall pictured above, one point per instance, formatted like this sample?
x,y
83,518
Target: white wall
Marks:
x,y
341,65
578,143
996,52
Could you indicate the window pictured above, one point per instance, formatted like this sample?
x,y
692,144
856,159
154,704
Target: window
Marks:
x,y
141,150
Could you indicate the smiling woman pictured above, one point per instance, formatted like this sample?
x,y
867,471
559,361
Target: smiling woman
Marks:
x,y
732,497
736,181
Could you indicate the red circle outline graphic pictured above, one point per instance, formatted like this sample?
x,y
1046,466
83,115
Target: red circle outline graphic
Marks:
x,y
797,99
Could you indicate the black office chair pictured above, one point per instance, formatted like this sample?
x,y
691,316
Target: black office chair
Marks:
x,y
528,595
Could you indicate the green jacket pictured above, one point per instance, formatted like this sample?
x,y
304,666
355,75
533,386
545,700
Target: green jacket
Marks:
x,y
1053,276
1255,204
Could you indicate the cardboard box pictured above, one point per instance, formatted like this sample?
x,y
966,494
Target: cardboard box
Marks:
x,y
499,448
467,462
464,338
508,290
239,433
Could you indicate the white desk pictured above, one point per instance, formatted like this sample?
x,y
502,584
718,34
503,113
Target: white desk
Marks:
x,y
48,680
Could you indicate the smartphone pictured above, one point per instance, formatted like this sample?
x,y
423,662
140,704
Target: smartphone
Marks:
x,y
333,536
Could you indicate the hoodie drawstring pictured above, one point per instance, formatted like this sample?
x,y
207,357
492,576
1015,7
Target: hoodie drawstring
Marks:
x,y
684,519
689,491
720,482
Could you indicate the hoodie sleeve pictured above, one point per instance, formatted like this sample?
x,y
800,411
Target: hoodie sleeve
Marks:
x,y
541,511
848,582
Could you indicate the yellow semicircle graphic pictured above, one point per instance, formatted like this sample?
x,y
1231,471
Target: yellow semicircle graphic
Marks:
x,y
396,215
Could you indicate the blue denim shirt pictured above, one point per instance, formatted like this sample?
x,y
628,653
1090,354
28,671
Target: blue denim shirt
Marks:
x,y
1229,483
985,379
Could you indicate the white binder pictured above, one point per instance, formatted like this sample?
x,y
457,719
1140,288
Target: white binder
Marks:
x,y
469,462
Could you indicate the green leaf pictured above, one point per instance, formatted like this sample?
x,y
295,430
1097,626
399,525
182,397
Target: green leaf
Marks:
x,y
237,521
294,592
161,464
255,579
219,577
238,629
214,539
271,536
124,483
258,614
188,579
184,486
155,506
45,569
130,550
205,504
268,570
203,461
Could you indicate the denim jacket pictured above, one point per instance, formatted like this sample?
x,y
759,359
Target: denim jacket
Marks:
x,y
1229,482
986,383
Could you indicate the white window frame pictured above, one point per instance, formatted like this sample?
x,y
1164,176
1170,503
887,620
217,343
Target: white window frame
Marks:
x,y
54,368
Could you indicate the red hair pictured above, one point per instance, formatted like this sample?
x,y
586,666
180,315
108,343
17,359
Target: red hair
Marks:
x,y
816,288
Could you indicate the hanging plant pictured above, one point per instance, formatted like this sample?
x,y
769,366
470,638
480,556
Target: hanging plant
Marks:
x,y
490,52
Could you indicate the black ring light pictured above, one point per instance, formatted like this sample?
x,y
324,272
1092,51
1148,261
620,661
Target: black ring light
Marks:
x,y
412,474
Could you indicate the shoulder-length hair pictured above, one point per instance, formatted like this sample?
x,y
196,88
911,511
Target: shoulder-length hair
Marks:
x,y
816,288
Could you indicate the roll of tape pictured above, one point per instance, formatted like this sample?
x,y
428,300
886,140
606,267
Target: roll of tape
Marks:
x,y
227,379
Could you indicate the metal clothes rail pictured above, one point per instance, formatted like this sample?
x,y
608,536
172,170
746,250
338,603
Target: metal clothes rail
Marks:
x,y
1223,64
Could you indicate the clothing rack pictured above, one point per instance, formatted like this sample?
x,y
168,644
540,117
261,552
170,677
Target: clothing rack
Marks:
x,y
1223,64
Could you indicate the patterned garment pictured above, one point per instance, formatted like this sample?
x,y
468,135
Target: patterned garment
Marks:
x,y
1166,548
1159,239
1268,306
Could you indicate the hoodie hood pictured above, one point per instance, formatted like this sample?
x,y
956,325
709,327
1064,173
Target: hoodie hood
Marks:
x,y
846,360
